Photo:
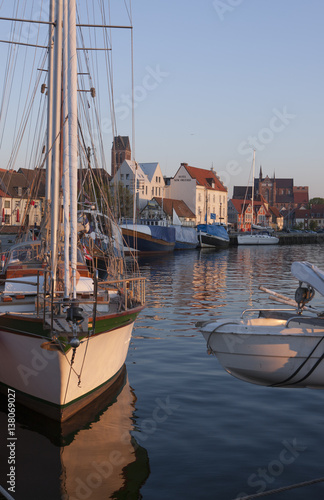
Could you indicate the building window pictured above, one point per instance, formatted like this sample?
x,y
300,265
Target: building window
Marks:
x,y
7,204
127,176
199,197
7,219
122,176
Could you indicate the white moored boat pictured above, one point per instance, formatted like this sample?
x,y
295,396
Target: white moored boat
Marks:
x,y
279,348
257,239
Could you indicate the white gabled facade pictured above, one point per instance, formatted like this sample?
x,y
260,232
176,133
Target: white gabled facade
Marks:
x,y
149,180
202,191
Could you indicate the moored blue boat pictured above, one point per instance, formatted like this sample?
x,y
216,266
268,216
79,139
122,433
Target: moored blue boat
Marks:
x,y
186,238
212,236
147,238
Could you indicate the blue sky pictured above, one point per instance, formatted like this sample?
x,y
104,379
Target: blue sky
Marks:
x,y
215,78
235,73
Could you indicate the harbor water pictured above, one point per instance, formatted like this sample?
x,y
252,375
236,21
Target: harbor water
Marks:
x,y
180,427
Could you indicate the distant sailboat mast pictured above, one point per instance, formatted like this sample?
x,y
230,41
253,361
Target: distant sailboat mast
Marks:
x,y
253,168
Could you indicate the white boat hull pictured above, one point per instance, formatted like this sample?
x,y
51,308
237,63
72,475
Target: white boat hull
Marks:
x,y
257,239
265,352
43,379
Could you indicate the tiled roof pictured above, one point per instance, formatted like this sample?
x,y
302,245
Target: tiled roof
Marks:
x,y
180,207
24,178
240,192
205,178
149,169
284,183
241,206
275,211
315,211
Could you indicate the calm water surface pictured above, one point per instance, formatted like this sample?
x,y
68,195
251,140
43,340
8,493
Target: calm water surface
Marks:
x,y
180,426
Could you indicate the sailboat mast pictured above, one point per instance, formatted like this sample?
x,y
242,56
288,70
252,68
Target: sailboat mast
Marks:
x,y
57,98
253,168
73,129
50,106
66,152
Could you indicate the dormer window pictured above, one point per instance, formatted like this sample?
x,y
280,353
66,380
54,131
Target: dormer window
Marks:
x,y
19,191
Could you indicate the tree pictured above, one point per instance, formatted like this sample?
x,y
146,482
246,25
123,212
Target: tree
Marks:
x,y
313,225
121,201
316,201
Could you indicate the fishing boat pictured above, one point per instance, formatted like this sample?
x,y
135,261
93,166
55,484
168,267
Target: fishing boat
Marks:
x,y
256,237
185,236
147,236
275,347
64,333
212,236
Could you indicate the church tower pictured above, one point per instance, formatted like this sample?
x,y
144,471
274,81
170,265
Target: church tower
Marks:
x,y
120,151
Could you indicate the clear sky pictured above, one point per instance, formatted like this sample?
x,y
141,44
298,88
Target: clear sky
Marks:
x,y
233,74
215,78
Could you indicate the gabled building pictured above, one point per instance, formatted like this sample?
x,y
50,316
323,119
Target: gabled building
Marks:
x,y
240,214
149,180
310,218
277,218
202,191
164,208
22,196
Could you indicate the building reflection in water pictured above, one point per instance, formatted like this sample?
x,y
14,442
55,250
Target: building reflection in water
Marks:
x,y
91,456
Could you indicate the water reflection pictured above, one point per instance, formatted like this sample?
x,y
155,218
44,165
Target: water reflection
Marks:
x,y
92,456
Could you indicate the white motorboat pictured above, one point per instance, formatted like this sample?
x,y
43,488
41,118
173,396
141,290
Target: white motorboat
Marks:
x,y
280,347
257,239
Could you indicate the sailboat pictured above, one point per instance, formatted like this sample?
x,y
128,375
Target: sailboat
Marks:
x,y
64,334
256,238
274,347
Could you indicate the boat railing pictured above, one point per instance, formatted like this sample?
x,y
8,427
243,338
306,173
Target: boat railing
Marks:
x,y
130,290
258,310
39,272
305,319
